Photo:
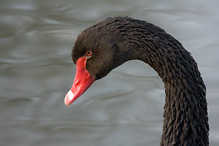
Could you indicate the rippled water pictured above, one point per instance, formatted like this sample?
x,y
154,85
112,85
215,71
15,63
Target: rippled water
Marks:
x,y
124,108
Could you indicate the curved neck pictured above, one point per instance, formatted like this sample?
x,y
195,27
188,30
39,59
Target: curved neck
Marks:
x,y
185,110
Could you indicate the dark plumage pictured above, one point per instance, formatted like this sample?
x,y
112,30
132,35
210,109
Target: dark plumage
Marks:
x,y
116,40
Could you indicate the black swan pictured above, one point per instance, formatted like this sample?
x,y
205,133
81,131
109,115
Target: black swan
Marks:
x,y
109,43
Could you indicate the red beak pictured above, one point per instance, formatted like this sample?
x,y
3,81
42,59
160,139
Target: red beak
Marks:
x,y
82,81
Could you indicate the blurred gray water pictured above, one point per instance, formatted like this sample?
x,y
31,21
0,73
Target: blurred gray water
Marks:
x,y
124,108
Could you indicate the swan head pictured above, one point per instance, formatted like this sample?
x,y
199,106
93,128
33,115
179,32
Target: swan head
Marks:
x,y
97,51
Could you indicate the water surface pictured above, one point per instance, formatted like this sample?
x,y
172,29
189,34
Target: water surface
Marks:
x,y
124,108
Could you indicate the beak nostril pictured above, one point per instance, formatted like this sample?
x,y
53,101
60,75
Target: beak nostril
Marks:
x,y
77,82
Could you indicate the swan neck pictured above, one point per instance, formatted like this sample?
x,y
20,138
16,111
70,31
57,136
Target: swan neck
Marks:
x,y
185,109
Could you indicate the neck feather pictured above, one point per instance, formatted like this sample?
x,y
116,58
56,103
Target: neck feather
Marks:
x,y
185,110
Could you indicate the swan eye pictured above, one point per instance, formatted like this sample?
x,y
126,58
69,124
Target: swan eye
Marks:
x,y
88,54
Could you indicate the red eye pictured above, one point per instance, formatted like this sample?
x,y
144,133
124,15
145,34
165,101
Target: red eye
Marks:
x,y
88,53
